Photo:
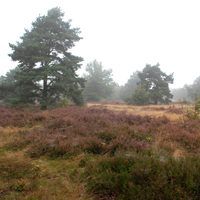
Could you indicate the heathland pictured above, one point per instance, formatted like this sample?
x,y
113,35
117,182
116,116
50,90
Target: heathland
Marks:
x,y
101,151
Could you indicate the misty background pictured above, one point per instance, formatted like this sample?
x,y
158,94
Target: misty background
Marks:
x,y
123,35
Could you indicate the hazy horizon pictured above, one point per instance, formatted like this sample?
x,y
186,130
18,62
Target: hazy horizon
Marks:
x,y
123,35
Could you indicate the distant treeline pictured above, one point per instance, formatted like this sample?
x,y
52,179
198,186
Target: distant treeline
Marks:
x,y
149,86
188,93
46,73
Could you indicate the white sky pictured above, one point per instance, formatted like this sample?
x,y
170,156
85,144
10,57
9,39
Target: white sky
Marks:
x,y
123,34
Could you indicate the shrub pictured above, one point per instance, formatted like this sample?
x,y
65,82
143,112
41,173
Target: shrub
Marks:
x,y
94,146
192,115
13,168
19,117
144,177
17,176
71,131
107,137
197,106
195,113
18,142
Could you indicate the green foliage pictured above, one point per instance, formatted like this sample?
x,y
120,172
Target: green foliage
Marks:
x,y
130,87
139,97
144,177
153,87
47,70
99,83
64,102
16,89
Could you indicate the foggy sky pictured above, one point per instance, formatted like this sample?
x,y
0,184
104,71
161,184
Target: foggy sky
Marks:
x,y
124,35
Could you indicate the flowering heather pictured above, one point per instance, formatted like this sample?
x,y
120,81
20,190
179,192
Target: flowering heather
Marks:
x,y
73,130
117,155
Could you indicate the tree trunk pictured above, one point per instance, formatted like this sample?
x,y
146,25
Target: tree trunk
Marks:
x,y
44,95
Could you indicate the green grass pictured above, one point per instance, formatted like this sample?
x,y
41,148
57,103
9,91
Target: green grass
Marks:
x,y
144,177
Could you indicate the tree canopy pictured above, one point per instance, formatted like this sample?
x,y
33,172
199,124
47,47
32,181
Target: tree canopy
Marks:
x,y
129,88
99,83
44,60
153,86
16,89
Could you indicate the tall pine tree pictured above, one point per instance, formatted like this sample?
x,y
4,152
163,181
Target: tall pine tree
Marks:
x,y
155,83
99,83
45,61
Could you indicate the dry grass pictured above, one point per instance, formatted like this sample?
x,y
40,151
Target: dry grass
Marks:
x,y
56,180
172,112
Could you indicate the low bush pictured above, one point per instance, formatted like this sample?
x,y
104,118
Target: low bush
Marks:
x,y
18,141
197,106
144,177
94,146
13,168
19,117
17,176
192,115
70,131
118,151
106,137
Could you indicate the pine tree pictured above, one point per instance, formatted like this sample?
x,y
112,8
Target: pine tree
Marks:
x,y
156,83
99,83
45,61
